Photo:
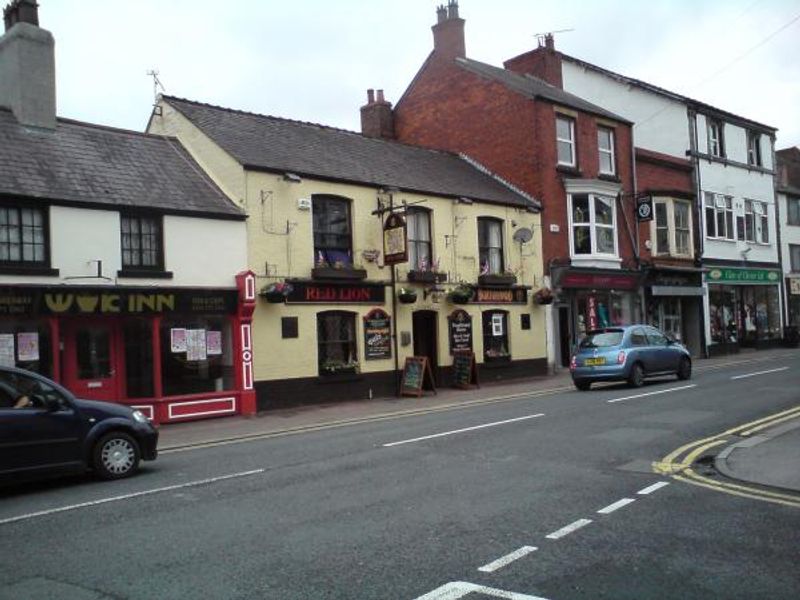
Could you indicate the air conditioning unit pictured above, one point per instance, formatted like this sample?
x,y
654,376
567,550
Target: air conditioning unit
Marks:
x,y
304,204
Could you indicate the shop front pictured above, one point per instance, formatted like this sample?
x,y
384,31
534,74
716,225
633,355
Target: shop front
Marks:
x,y
176,354
674,300
793,300
744,308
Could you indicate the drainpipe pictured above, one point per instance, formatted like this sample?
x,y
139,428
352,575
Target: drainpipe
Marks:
x,y
698,228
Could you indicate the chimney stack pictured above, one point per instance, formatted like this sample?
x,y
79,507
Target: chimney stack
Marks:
x,y
448,33
544,62
377,119
27,66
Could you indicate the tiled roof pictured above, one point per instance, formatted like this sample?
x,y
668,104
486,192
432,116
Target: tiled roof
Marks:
x,y
533,87
312,150
81,163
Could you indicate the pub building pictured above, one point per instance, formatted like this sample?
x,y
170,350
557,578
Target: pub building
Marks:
x,y
122,267
368,251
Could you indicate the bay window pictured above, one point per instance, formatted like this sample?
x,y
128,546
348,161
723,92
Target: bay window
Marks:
x,y
593,219
719,216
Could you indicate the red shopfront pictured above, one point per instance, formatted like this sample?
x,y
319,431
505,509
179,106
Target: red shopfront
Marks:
x,y
176,354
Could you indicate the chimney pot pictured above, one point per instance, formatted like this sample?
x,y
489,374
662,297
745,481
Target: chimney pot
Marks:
x,y
452,9
380,96
441,13
370,96
377,118
549,42
21,11
448,33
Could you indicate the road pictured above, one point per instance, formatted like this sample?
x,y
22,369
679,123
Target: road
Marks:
x,y
545,497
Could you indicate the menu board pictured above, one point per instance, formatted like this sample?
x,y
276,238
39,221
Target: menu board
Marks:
x,y
416,375
465,370
460,323
377,335
196,344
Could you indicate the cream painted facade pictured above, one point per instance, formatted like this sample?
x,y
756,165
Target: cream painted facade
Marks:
x,y
281,246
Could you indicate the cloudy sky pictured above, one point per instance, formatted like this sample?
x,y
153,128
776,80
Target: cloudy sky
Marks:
x,y
313,60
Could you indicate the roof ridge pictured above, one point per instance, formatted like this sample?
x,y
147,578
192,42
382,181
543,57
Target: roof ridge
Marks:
x,y
109,128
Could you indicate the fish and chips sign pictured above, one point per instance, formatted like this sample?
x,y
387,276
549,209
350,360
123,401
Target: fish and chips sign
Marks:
x,y
395,240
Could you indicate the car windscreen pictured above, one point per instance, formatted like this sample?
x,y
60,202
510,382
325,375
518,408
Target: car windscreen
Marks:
x,y
602,339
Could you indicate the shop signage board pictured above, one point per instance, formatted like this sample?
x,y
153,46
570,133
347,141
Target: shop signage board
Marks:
x,y
465,370
599,281
794,286
726,275
460,326
416,375
111,301
395,240
497,296
312,292
377,335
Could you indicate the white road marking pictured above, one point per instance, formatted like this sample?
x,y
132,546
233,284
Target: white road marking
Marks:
x,y
168,488
507,559
617,505
568,529
458,589
759,373
675,389
652,488
436,435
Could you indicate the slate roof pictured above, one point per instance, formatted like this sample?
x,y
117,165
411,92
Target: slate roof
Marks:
x,y
312,150
84,164
535,88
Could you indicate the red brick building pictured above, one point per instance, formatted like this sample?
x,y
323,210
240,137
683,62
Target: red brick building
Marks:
x,y
573,156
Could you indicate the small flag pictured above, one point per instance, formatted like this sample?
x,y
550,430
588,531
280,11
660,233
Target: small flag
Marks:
x,y
320,258
485,268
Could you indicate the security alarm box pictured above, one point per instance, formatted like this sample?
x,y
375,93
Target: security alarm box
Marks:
x,y
304,204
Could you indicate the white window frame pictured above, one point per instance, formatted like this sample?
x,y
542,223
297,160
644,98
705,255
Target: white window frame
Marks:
x,y
754,149
609,152
672,228
761,211
720,204
571,141
716,137
593,225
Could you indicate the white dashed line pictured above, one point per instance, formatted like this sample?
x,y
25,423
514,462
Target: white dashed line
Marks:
x,y
168,488
652,488
436,435
758,373
568,529
507,559
617,505
675,389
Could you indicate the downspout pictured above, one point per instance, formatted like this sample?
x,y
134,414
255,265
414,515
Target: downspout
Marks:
x,y
698,228
642,304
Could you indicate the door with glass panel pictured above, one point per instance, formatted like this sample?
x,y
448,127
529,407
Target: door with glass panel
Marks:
x,y
90,359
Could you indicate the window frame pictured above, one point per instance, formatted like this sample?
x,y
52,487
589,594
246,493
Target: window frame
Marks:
x,y
792,217
754,149
351,321
486,328
794,253
23,266
483,251
610,151
571,141
593,225
158,219
414,243
671,206
322,251
758,221
727,213
716,137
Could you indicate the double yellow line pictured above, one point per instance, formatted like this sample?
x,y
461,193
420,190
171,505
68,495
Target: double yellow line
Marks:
x,y
678,463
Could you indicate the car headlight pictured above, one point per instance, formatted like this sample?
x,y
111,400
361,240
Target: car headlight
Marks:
x,y
139,416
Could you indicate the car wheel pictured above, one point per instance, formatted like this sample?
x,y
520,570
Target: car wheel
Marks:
x,y
685,369
583,385
116,455
636,377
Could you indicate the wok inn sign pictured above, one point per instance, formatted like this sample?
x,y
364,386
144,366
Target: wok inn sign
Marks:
x,y
38,301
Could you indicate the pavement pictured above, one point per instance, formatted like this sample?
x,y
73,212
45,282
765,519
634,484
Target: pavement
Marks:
x,y
770,459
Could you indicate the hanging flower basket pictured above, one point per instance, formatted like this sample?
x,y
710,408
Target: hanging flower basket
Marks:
x,y
276,292
461,295
543,296
406,295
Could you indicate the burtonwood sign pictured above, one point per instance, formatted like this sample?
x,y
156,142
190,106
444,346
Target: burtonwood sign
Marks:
x,y
114,301
495,296
307,292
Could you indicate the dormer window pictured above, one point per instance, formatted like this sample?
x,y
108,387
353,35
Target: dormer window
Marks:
x,y
565,139
716,141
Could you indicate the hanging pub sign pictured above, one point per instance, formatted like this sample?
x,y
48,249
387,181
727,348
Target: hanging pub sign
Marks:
x,y
644,208
460,324
395,240
377,335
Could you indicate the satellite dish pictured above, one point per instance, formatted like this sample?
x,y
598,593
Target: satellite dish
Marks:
x,y
523,235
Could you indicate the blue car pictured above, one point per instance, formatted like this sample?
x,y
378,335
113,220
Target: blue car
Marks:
x,y
630,353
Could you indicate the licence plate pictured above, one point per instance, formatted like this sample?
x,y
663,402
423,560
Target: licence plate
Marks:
x,y
592,362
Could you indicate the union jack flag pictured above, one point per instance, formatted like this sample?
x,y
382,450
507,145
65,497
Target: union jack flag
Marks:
x,y
485,268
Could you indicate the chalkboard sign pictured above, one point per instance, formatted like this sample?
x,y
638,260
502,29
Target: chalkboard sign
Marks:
x,y
416,374
465,370
460,323
377,335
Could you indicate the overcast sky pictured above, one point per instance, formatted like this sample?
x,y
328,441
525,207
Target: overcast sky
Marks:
x,y
313,60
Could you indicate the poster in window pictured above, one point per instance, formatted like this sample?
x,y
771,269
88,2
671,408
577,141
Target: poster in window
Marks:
x,y
395,240
497,325
196,344
28,346
7,350
213,343
177,338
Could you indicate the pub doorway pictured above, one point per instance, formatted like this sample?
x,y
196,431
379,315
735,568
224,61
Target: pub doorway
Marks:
x,y
91,361
424,333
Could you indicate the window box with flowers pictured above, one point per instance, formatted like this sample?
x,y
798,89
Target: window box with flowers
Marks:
x,y
276,292
418,276
407,295
461,294
543,296
506,279
338,271
332,368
